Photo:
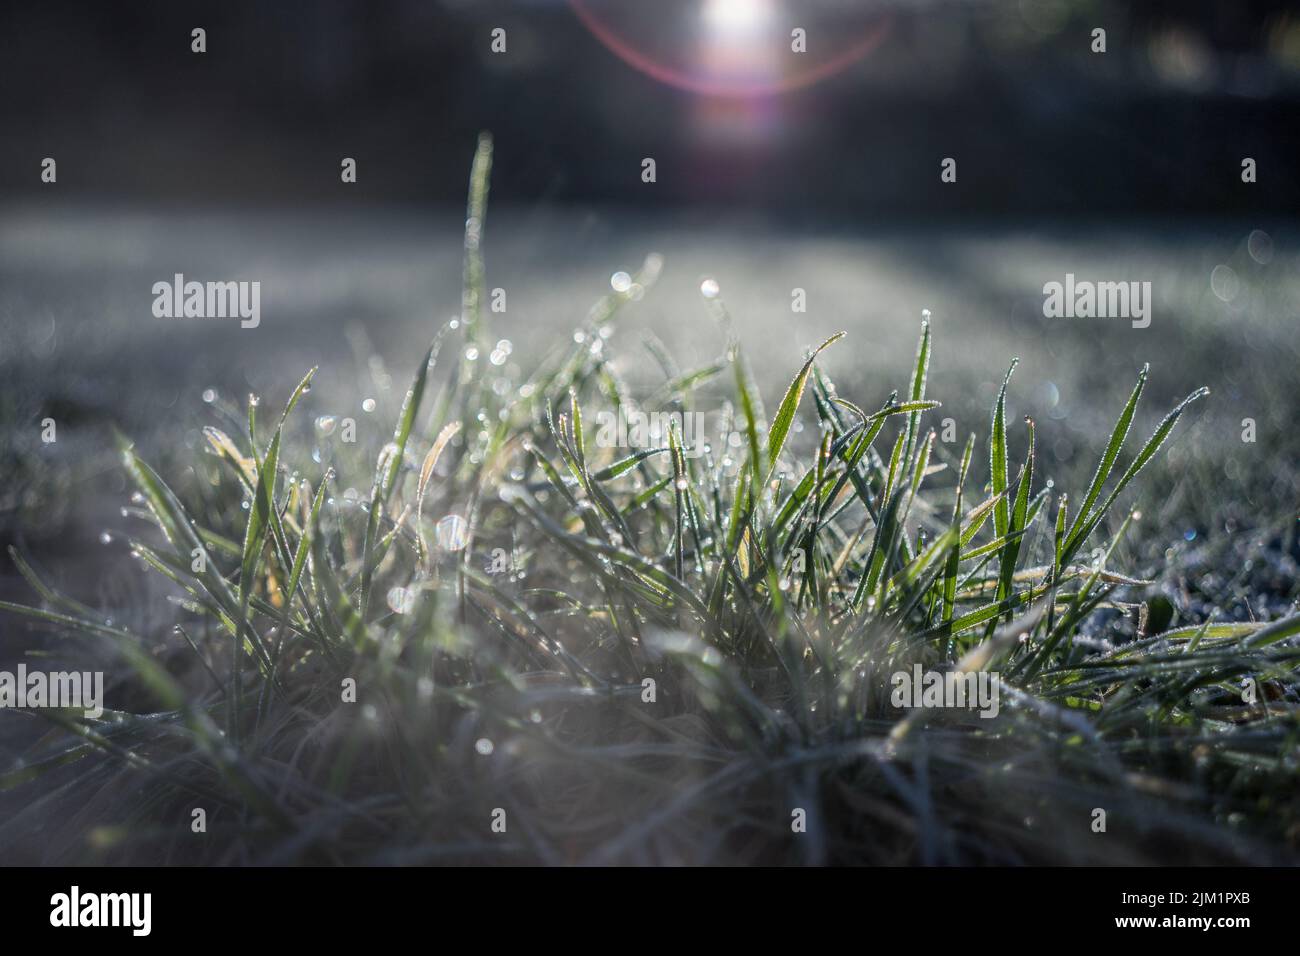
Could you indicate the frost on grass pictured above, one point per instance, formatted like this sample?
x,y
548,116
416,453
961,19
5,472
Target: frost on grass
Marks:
x,y
512,642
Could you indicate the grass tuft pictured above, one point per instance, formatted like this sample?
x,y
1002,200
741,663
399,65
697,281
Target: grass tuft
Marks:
x,y
647,654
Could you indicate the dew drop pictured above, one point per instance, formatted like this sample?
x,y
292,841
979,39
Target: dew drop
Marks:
x,y
452,533
1224,282
1260,246
401,600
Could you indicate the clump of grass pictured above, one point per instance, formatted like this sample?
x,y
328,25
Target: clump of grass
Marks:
x,y
678,652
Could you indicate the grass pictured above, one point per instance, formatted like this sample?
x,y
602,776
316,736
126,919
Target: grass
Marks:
x,y
655,656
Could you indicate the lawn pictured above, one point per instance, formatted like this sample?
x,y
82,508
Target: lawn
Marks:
x,y
502,631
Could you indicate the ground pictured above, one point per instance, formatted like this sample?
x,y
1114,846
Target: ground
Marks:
x,y
360,292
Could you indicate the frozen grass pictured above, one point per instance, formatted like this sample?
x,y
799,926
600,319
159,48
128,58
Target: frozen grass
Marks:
x,y
768,588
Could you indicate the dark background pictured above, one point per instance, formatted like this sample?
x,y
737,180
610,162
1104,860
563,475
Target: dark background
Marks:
x,y
1039,124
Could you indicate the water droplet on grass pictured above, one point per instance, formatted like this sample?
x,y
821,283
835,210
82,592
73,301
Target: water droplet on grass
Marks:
x,y
401,600
452,533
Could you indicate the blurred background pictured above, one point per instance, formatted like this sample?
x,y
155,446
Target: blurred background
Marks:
x,y
776,170
852,127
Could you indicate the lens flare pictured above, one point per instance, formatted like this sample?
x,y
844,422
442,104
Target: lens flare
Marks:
x,y
735,48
